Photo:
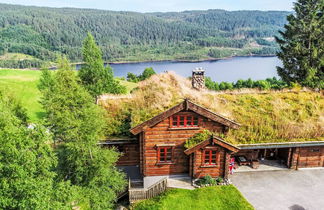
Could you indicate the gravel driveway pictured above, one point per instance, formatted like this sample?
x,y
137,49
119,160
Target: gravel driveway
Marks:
x,y
289,189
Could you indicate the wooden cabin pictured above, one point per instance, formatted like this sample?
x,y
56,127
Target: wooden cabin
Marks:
x,y
156,151
157,148
162,139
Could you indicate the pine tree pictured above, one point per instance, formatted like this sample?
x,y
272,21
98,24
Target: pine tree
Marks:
x,y
95,77
26,162
68,106
78,123
302,45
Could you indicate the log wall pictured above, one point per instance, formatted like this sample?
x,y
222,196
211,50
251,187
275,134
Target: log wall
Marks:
x,y
311,157
130,154
199,170
163,134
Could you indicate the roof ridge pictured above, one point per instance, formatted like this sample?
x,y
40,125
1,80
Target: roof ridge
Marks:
x,y
219,115
186,104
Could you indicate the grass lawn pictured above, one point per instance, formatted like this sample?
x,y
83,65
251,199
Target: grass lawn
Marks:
x,y
129,85
218,197
23,85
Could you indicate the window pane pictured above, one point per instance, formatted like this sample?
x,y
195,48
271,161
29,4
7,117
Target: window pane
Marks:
x,y
210,157
169,154
175,121
162,157
184,121
214,154
162,154
189,121
206,157
165,154
168,158
181,123
195,121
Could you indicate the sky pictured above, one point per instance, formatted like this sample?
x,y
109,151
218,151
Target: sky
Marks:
x,y
162,5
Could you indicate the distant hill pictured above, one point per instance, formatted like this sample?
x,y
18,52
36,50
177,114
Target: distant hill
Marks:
x,y
129,36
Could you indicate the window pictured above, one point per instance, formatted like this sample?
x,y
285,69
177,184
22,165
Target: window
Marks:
x,y
315,150
209,157
165,154
120,148
184,121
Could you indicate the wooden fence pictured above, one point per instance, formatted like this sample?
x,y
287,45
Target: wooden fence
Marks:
x,y
136,194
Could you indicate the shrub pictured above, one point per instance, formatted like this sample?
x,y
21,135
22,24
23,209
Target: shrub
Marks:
x,y
207,180
147,73
267,84
219,180
197,138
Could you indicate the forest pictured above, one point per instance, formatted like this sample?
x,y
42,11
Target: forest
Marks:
x,y
129,36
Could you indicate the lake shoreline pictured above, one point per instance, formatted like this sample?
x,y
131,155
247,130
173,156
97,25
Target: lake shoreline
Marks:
x,y
156,61
228,70
182,61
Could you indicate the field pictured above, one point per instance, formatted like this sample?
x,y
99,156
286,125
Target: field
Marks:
x,y
23,85
220,197
16,56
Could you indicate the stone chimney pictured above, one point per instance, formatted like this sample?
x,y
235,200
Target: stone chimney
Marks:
x,y
198,78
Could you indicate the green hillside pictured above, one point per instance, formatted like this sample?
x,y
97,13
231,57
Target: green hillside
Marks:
x,y
129,36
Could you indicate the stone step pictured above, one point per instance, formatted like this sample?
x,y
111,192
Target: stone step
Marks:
x,y
180,177
183,184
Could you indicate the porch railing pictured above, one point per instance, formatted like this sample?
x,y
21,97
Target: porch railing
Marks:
x,y
136,194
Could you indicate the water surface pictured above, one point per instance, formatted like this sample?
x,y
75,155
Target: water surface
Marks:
x,y
229,70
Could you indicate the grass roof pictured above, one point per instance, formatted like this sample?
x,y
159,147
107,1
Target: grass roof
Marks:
x,y
271,116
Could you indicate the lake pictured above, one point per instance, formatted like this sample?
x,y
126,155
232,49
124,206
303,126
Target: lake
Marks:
x,y
228,70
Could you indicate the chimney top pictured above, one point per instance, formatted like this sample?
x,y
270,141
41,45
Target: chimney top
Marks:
x,y
198,78
198,69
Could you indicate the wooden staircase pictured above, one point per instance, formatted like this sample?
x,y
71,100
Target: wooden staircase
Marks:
x,y
138,194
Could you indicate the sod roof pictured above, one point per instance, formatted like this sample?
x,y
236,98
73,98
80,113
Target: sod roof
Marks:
x,y
264,116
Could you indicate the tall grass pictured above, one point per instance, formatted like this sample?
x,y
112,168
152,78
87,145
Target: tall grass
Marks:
x,y
265,116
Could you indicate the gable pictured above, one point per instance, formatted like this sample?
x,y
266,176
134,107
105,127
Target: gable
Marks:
x,y
186,105
212,141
